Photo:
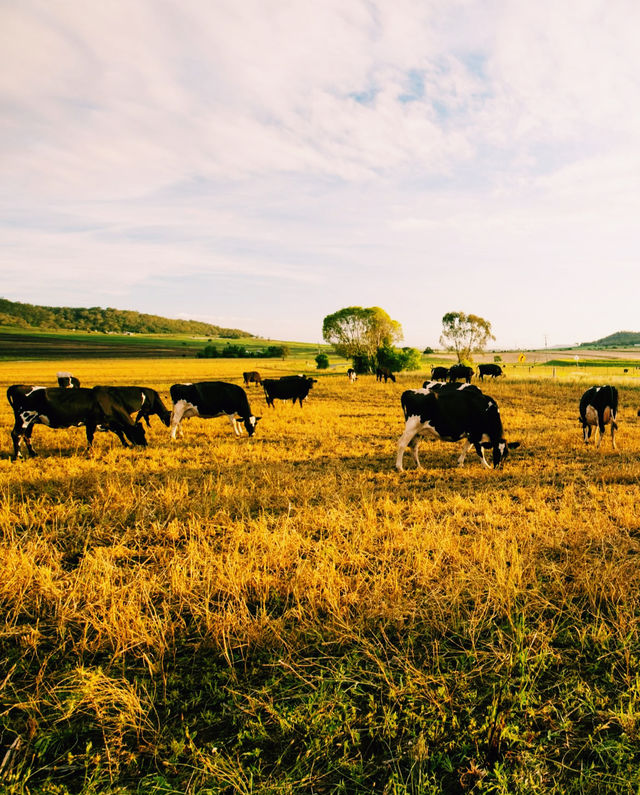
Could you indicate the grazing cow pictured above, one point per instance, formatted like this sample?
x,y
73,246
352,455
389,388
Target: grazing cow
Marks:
x,y
453,412
460,371
352,375
384,372
67,381
209,399
252,377
289,387
143,400
57,407
599,407
439,386
492,370
439,373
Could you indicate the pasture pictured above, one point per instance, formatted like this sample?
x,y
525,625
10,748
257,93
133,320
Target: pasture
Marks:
x,y
288,614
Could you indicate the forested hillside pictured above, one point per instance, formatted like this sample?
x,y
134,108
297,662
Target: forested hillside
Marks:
x,y
621,339
13,313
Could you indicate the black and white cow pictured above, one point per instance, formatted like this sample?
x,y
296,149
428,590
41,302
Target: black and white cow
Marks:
x,y
66,380
143,400
452,412
57,407
491,370
289,387
252,377
209,399
460,371
439,373
385,372
599,407
352,375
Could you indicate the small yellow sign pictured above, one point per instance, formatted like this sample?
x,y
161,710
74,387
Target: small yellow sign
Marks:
x,y
522,358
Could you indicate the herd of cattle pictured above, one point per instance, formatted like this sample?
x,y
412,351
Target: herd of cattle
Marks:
x,y
443,409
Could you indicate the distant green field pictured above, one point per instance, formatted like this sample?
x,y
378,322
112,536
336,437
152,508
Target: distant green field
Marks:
x,y
21,344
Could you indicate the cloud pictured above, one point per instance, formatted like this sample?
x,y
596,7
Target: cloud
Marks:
x,y
331,150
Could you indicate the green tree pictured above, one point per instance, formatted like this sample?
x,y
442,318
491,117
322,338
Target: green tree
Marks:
x,y
358,333
398,359
465,334
322,361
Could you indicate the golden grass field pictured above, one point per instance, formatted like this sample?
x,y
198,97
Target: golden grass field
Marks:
x,y
288,614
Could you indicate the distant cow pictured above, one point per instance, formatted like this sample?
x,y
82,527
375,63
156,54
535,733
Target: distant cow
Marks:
x,y
143,400
460,371
352,375
252,377
599,407
209,399
384,372
67,381
453,412
439,373
57,407
289,387
492,370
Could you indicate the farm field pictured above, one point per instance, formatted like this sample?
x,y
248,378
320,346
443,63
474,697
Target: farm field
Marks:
x,y
288,614
21,344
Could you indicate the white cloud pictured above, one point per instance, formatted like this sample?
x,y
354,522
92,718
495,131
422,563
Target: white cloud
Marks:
x,y
342,149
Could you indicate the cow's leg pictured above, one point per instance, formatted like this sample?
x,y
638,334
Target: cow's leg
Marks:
x,y
614,428
15,438
118,432
90,428
466,446
586,432
414,444
601,430
176,418
27,440
22,429
411,428
234,424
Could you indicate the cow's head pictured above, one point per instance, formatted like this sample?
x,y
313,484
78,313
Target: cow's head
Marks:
x,y
135,434
250,424
501,451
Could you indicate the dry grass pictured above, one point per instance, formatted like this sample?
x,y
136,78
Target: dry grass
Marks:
x,y
287,613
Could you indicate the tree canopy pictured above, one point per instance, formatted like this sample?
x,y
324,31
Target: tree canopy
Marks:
x,y
357,332
465,334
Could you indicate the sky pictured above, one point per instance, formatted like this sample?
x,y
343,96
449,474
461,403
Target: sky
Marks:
x,y
262,164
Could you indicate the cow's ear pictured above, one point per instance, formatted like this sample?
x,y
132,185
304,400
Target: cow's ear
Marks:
x,y
513,445
256,419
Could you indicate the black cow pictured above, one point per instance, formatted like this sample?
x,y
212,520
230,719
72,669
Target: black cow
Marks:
x,y
67,381
460,371
439,373
352,375
252,377
452,412
384,372
289,387
57,407
599,407
143,400
492,370
209,399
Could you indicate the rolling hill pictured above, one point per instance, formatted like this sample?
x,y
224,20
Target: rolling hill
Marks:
x,y
118,321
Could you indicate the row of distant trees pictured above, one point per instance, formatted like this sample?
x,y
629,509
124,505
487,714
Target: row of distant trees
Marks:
x,y
240,352
95,318
366,336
